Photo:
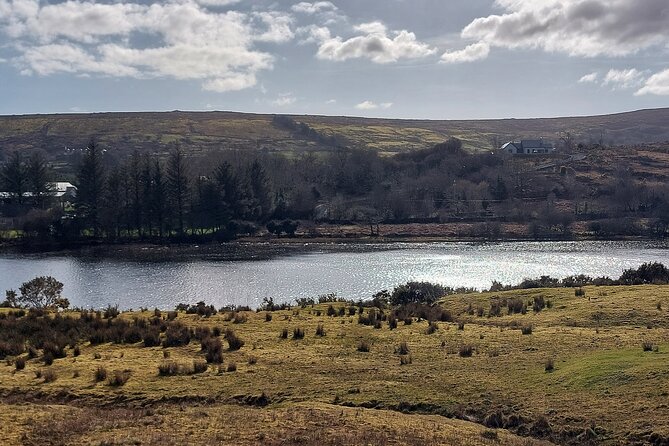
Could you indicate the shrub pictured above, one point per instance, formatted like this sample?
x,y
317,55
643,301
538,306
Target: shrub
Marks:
x,y
550,365
539,304
20,363
377,324
461,326
284,334
176,335
490,435
526,329
408,320
132,335
47,358
100,374
199,366
118,378
213,350
49,376
647,346
111,312
152,338
516,305
579,292
648,273
268,317
406,359
320,330
402,348
298,333
466,351
432,327
331,311
252,360
232,367
480,311
495,309
364,346
240,318
77,351
352,311
172,315
234,341
420,292
392,322
55,350
168,368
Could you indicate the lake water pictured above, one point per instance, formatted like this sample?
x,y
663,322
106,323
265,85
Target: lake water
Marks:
x,y
358,272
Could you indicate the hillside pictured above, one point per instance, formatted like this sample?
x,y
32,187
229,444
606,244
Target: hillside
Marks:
x,y
207,131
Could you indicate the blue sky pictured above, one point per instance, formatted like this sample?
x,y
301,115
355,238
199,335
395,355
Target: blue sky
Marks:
x,y
436,59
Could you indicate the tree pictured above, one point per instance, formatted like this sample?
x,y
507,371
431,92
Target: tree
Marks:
x,y
13,176
177,186
37,178
260,189
42,292
91,180
158,205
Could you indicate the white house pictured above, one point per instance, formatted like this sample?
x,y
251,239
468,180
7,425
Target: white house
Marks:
x,y
529,147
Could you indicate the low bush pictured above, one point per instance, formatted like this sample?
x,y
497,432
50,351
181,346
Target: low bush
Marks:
x,y
550,365
466,351
647,346
402,348
199,366
268,317
579,292
406,359
284,334
20,363
234,341
168,368
240,318
298,333
76,352
432,327
176,335
232,367
49,375
152,338
100,374
526,329
118,378
516,306
364,346
392,322
320,330
252,360
495,309
539,304
213,350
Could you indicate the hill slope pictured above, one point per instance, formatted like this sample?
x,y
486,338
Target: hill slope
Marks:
x,y
204,131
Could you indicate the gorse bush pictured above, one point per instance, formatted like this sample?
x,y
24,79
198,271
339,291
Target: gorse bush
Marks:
x,y
213,350
298,333
100,374
118,378
234,341
466,351
364,346
320,330
418,292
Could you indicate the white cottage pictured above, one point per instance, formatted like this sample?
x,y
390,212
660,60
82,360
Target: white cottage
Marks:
x,y
529,147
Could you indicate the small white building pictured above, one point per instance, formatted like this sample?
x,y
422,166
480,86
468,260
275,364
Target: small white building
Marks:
x,y
529,147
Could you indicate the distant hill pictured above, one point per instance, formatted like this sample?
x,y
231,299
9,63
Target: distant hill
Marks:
x,y
206,131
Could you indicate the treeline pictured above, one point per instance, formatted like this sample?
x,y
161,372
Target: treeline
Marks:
x,y
218,195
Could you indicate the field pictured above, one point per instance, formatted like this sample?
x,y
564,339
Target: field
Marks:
x,y
203,132
573,372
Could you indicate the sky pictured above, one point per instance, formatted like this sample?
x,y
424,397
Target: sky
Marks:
x,y
423,59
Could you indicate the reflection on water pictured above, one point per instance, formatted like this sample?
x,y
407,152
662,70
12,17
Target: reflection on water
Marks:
x,y
95,282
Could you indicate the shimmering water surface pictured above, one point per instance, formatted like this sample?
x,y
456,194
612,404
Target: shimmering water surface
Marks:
x,y
351,273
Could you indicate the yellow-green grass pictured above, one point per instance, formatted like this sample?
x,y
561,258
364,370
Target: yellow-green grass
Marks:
x,y
602,379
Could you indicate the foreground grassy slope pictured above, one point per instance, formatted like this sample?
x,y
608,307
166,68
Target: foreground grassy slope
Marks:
x,y
604,388
205,131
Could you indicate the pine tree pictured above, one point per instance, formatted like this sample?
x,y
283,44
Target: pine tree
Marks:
x,y
177,184
13,177
37,173
259,183
90,186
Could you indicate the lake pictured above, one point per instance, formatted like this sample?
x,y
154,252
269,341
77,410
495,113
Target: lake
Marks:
x,y
352,271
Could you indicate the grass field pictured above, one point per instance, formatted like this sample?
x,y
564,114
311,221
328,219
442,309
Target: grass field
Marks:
x,y
602,388
202,132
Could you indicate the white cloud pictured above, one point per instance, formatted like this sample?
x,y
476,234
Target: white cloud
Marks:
x,y
584,28
313,8
628,78
376,44
473,52
284,100
182,39
331,101
589,78
657,84
370,105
